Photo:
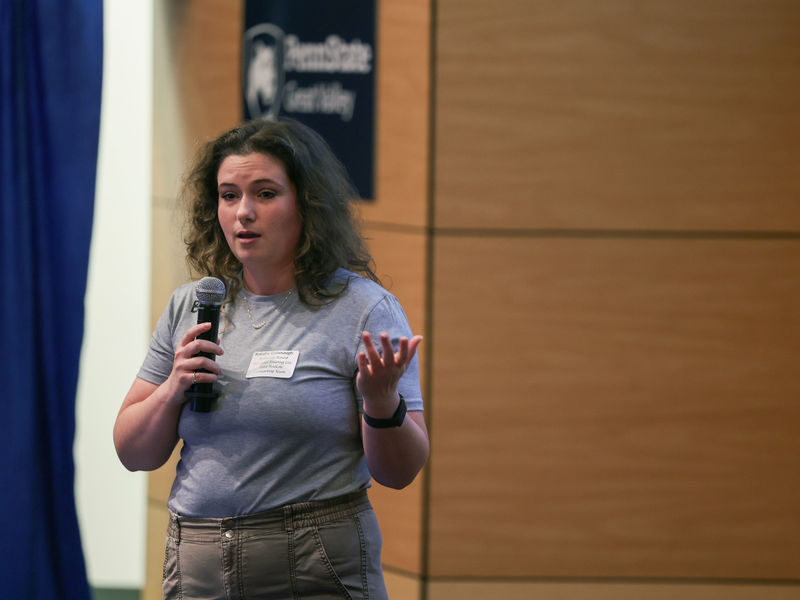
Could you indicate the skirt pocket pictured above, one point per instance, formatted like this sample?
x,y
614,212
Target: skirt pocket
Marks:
x,y
330,560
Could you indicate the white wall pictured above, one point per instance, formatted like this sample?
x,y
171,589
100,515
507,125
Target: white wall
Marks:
x,y
111,501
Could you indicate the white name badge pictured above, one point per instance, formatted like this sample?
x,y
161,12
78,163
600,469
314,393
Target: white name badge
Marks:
x,y
273,363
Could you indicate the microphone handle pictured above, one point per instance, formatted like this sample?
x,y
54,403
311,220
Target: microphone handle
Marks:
x,y
202,395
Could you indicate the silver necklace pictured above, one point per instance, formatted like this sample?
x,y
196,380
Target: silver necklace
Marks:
x,y
272,312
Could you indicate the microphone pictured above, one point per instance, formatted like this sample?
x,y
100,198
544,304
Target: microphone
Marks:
x,y
210,293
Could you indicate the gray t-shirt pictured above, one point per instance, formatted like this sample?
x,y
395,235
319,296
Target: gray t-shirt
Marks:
x,y
285,435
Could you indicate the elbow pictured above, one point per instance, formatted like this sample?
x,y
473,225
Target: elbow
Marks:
x,y
398,479
135,460
396,484
124,455
136,453
131,465
129,462
138,465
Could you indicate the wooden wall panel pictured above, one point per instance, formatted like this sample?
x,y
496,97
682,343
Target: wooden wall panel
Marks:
x,y
394,228
401,586
618,114
157,521
594,590
615,408
168,264
402,116
401,261
160,481
206,47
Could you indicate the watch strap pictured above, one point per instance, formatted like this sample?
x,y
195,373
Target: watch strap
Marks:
x,y
396,420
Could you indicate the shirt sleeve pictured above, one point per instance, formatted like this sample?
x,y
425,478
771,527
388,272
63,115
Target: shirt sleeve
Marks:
x,y
157,363
388,315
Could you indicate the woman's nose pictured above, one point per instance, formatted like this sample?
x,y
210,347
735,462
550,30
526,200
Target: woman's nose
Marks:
x,y
245,210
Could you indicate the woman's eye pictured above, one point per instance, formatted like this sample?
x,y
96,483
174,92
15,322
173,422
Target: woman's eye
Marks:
x,y
267,193
227,195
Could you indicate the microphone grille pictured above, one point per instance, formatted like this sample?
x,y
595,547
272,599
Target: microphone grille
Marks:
x,y
210,290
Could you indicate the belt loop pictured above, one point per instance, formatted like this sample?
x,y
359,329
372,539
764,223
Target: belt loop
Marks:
x,y
288,518
176,527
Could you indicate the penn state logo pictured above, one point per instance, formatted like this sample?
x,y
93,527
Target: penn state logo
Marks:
x,y
263,70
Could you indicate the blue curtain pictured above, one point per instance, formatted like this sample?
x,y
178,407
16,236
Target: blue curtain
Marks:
x,y
50,72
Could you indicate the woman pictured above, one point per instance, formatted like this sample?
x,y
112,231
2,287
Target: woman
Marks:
x,y
269,496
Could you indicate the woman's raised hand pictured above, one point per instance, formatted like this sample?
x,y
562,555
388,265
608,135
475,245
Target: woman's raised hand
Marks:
x,y
379,373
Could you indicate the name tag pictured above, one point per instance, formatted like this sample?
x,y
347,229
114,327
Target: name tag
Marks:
x,y
273,363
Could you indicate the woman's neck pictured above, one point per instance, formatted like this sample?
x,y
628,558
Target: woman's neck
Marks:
x,y
264,284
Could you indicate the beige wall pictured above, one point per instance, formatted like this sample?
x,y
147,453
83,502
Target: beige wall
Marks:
x,y
589,209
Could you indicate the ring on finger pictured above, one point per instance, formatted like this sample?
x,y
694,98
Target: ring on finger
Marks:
x,y
194,378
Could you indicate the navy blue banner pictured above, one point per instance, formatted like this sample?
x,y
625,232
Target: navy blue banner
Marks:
x,y
314,61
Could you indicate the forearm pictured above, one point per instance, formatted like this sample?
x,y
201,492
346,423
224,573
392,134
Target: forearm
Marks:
x,y
396,454
146,431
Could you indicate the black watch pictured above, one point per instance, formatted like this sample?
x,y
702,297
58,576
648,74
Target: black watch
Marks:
x,y
396,420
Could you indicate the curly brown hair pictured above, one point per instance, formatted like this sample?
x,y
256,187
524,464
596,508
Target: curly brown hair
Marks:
x,y
329,238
